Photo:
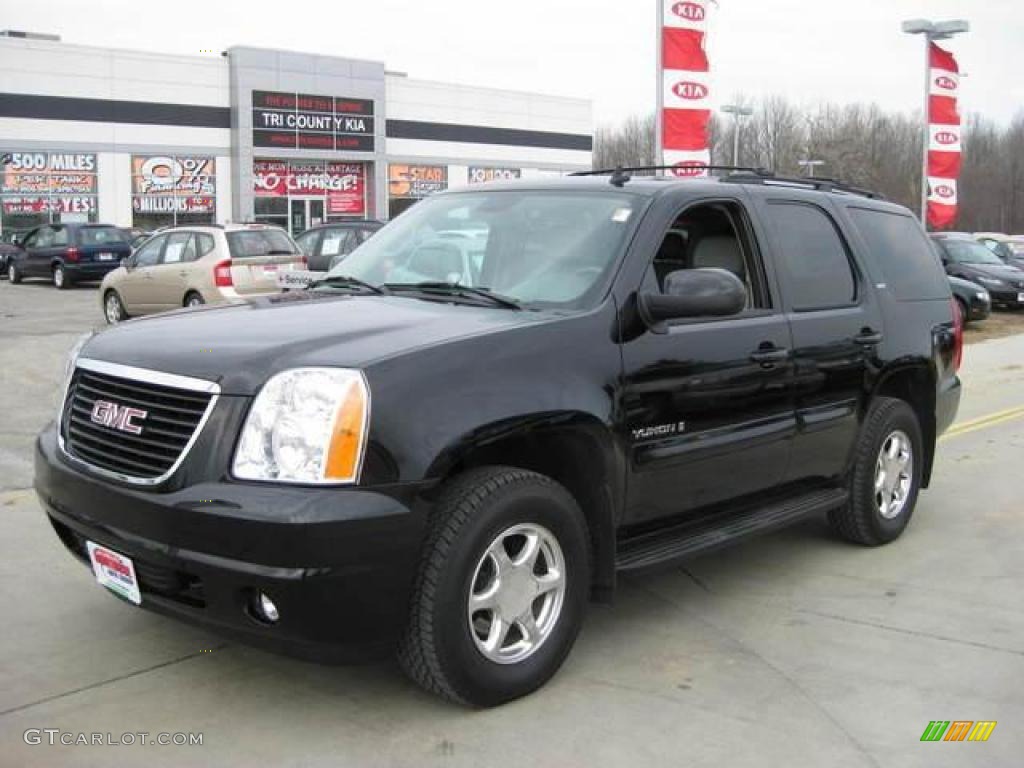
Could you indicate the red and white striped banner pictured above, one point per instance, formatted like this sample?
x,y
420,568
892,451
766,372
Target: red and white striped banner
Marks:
x,y
684,86
943,137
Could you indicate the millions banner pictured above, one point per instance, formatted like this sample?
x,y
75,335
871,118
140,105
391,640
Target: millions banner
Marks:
x,y
943,137
685,103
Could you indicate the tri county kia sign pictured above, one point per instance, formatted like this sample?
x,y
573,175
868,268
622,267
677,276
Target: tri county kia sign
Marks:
x,y
307,121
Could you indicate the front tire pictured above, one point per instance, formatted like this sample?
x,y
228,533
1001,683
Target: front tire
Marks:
x,y
502,587
113,308
13,273
886,475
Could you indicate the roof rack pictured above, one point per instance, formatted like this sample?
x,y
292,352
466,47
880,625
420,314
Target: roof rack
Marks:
x,y
738,174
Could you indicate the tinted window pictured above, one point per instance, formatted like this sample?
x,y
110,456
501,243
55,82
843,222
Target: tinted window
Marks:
x,y
100,235
901,252
336,241
60,236
967,252
149,253
259,242
44,239
813,257
307,242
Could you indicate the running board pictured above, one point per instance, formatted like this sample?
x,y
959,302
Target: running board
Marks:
x,y
683,541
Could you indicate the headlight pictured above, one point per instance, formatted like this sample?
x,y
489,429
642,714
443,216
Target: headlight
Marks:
x,y
307,425
69,368
983,295
991,281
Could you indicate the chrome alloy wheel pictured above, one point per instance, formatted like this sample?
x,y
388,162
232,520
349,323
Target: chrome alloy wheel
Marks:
x,y
113,309
516,594
893,474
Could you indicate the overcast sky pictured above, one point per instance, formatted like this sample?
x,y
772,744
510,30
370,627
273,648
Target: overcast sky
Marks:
x,y
844,50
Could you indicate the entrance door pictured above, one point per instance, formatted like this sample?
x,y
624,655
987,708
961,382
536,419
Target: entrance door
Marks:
x,y
305,213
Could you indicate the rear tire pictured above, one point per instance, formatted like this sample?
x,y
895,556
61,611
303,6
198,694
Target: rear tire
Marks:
x,y
193,299
454,645
61,281
13,273
886,475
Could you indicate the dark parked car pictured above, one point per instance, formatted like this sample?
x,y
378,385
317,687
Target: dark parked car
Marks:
x,y
964,257
324,247
974,301
8,247
135,236
68,253
640,370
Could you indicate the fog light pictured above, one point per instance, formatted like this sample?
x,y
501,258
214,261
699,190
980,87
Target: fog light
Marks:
x,y
265,609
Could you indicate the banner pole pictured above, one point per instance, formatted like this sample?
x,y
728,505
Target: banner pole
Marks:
x,y
927,128
659,155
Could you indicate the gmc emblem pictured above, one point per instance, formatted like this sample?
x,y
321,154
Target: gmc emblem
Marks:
x,y
946,137
946,82
689,11
690,90
119,417
688,168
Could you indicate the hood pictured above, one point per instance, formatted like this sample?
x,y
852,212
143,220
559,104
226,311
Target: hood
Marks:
x,y
241,345
998,271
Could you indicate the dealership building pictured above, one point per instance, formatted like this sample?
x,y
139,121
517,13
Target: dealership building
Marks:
x,y
136,138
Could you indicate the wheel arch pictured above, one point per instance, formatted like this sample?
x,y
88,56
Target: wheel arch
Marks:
x,y
576,450
914,383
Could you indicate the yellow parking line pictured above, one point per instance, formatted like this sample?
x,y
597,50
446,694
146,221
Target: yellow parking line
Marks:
x,y
983,422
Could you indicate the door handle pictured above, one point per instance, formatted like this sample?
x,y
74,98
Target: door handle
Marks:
x,y
868,338
769,355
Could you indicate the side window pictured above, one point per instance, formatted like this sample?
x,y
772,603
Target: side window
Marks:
x,y
336,242
712,235
174,250
149,253
30,239
44,238
814,260
307,242
204,244
60,236
902,254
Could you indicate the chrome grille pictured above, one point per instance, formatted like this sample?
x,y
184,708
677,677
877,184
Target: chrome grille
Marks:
x,y
166,415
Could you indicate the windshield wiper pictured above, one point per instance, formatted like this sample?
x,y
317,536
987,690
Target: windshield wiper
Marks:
x,y
345,281
455,289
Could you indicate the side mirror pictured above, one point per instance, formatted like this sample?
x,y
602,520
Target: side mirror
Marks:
x,y
16,240
694,293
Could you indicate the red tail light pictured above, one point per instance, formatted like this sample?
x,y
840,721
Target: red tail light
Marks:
x,y
222,274
958,336
71,254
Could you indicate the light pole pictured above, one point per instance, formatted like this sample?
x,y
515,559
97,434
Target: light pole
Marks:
x,y
932,30
737,112
810,165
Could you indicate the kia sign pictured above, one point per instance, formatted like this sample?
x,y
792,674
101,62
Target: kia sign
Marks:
x,y
946,83
689,11
689,169
945,191
690,90
946,138
305,121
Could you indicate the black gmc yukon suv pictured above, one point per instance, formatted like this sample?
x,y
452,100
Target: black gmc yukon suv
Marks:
x,y
507,397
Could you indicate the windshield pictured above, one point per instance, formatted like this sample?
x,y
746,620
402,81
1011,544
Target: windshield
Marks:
x,y
259,242
100,235
969,252
541,248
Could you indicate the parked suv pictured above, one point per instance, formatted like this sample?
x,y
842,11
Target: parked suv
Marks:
x,y
640,370
191,266
68,253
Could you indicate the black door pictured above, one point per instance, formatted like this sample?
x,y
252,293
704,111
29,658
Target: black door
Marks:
x,y
708,404
38,247
836,325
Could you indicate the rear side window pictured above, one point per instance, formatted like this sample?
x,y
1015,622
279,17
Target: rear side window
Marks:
x,y
100,236
60,236
253,243
902,254
813,257
205,243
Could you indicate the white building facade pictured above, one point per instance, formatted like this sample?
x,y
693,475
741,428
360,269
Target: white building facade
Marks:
x,y
144,139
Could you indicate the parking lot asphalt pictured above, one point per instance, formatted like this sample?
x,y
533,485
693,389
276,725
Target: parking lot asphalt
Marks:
x,y
794,649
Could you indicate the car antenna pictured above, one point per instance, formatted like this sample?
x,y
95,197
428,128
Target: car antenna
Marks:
x,y
619,177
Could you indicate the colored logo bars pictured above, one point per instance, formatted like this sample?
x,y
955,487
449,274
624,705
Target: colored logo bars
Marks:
x,y
958,730
684,88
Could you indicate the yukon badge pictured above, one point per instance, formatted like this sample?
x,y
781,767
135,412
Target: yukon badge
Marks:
x,y
119,417
659,430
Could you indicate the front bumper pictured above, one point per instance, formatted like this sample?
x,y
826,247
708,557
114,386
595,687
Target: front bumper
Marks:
x,y
338,563
978,309
1007,297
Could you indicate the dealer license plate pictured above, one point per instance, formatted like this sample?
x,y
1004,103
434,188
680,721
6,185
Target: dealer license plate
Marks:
x,y
115,572
106,257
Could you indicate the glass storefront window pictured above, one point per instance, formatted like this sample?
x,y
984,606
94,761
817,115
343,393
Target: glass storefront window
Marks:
x,y
173,190
408,184
300,194
46,187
